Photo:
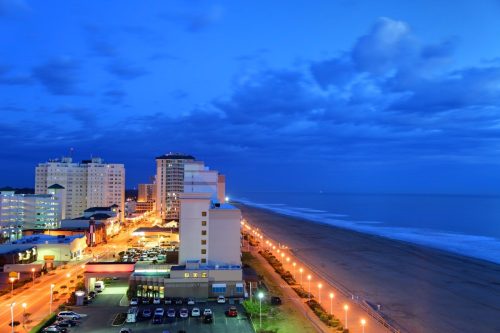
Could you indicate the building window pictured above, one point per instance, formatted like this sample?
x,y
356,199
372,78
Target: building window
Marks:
x,y
203,275
186,275
203,261
239,289
219,288
203,213
204,223
203,251
203,242
203,232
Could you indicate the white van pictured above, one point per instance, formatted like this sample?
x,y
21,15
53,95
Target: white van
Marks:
x,y
99,286
132,314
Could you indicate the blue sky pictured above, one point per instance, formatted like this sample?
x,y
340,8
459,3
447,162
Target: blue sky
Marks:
x,y
355,96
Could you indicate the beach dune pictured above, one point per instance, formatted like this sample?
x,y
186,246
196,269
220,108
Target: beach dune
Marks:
x,y
419,288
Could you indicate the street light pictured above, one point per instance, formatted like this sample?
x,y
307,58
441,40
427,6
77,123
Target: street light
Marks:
x,y
12,316
24,312
12,279
363,323
309,279
331,303
260,295
301,270
346,307
288,260
51,292
319,291
294,275
33,275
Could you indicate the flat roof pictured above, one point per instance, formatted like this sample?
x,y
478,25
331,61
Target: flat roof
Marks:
x,y
47,239
156,229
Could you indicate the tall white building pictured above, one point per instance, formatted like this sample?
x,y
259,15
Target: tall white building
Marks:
x,y
199,178
30,211
169,183
90,183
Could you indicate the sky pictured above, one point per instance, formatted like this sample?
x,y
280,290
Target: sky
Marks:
x,y
340,96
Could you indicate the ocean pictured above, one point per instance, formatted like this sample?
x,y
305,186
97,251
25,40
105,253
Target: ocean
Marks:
x,y
462,224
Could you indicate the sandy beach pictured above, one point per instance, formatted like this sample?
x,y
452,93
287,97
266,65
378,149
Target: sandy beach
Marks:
x,y
421,289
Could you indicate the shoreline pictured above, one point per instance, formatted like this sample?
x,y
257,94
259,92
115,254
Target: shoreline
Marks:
x,y
456,293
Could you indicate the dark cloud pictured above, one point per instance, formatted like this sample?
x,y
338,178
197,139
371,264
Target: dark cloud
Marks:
x,y
114,96
126,71
81,114
58,76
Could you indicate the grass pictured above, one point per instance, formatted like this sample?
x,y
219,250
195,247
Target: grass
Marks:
x,y
47,321
285,318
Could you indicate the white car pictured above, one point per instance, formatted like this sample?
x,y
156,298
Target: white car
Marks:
x,y
134,301
125,330
156,300
69,315
159,312
221,299
195,312
183,313
207,312
52,328
190,301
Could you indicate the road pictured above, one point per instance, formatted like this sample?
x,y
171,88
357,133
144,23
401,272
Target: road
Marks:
x,y
37,296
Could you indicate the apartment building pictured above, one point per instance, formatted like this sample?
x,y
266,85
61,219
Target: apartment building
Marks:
x,y
90,183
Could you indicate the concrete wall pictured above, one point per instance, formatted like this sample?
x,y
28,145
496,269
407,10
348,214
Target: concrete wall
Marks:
x,y
224,236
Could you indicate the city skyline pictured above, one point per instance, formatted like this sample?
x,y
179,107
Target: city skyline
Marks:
x,y
380,97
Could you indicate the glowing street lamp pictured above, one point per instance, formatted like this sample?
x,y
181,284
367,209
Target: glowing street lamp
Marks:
x,y
319,291
24,312
309,279
12,279
51,292
331,303
363,323
288,261
260,295
301,270
294,275
12,316
33,275
346,307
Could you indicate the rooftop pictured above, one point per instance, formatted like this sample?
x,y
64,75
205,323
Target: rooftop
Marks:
x,y
175,156
46,239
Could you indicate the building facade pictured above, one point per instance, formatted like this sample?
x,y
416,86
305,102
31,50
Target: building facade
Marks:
x,y
90,183
169,183
145,192
30,211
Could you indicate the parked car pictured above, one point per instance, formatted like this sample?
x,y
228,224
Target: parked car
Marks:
x,y
126,330
159,311
156,300
190,301
145,300
207,312
54,328
221,299
99,286
92,294
134,301
195,312
208,319
66,323
146,313
69,315
232,312
178,301
184,313
275,300
157,319
171,313
168,300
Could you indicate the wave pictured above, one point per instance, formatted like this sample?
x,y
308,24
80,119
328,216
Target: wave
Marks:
x,y
480,247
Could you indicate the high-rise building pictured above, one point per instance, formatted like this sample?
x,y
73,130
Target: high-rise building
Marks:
x,y
169,183
199,178
90,183
145,192
30,211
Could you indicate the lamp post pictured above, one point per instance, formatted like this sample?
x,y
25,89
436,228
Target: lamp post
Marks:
x,y
309,279
331,303
363,323
12,279
319,292
301,270
346,307
24,312
51,292
260,295
12,316
33,275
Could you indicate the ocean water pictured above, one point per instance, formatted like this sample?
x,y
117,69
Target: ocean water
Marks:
x,y
466,225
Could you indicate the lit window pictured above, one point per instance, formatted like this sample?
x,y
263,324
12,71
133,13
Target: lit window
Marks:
x,y
195,275
203,223
203,275
203,242
186,275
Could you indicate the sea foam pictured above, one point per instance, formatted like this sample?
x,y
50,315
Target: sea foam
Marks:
x,y
481,247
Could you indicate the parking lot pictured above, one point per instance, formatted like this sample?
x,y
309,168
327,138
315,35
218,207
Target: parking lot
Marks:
x,y
102,311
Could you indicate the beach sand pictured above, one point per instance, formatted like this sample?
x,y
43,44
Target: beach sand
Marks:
x,y
421,289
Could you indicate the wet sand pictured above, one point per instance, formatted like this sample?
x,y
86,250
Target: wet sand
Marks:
x,y
421,289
